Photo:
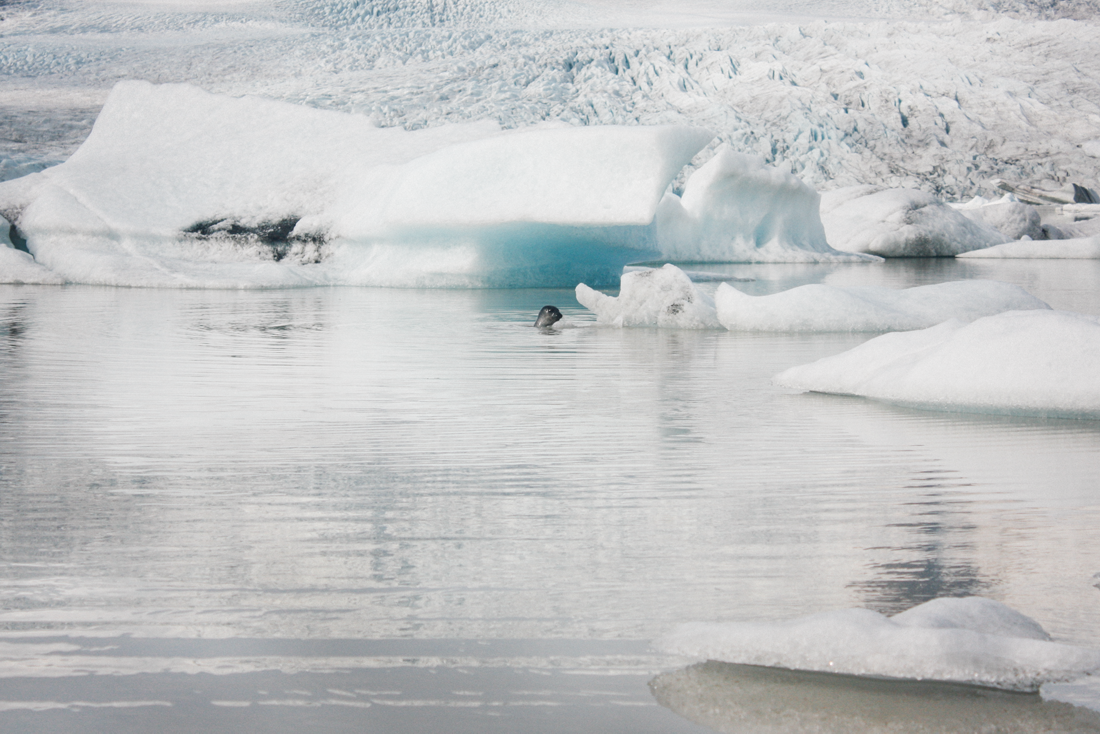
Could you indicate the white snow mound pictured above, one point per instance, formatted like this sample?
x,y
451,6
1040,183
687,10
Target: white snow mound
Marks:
x,y
973,640
176,186
822,307
652,297
900,223
1018,362
1076,248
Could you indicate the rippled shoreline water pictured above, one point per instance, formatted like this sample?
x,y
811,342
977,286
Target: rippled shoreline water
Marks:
x,y
212,499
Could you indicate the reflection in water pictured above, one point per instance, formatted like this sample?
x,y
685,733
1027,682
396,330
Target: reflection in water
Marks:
x,y
744,699
934,562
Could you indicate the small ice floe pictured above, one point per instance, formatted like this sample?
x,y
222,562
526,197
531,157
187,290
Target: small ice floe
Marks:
x,y
1019,362
900,223
1076,248
652,297
1008,215
972,641
668,297
745,699
868,308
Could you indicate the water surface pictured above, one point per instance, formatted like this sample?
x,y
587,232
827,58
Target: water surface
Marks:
x,y
372,509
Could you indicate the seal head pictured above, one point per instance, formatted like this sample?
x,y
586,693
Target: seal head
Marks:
x,y
548,316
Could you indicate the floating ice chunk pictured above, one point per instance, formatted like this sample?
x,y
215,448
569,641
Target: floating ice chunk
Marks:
x,y
652,297
1019,362
868,308
746,699
900,223
176,186
974,641
736,209
1077,248
1008,215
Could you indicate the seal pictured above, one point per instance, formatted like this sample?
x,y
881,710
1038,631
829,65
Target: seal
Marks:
x,y
548,316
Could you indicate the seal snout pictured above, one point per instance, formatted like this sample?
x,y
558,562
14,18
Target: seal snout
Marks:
x,y
548,316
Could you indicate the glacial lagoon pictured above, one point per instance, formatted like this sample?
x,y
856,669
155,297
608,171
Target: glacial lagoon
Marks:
x,y
367,509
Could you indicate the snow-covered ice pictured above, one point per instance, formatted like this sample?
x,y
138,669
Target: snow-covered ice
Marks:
x,y
900,223
822,307
668,297
1075,248
1012,218
969,640
1018,362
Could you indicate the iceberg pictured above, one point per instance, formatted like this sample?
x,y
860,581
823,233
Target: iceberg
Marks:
x,y
737,209
1008,215
1019,362
869,308
668,297
652,297
179,187
1075,248
900,223
973,640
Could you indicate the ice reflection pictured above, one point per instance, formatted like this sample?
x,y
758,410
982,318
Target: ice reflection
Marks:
x,y
743,699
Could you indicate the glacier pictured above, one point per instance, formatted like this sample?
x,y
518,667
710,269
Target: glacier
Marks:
x,y
667,297
1018,362
970,640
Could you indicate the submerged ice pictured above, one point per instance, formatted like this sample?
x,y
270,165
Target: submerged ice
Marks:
x,y
970,640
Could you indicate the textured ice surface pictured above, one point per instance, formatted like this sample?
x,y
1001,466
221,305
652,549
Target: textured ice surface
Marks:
x,y
973,640
1020,362
179,187
822,307
652,297
941,95
1076,248
900,223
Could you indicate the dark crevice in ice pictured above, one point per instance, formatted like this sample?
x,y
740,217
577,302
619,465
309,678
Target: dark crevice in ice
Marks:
x,y
18,241
277,236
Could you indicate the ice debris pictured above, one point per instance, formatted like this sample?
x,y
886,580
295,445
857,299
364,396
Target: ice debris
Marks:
x,y
1076,248
969,640
1019,362
667,297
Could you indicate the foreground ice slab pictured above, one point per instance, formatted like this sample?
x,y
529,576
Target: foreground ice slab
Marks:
x,y
900,223
183,188
667,297
1019,362
745,699
868,308
973,640
1077,248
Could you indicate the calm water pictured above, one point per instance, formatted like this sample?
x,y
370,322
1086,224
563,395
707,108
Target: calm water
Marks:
x,y
391,510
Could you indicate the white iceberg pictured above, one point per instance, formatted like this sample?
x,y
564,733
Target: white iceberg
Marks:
x,y
176,186
974,641
668,297
1018,362
1008,215
900,223
1076,248
822,307
652,297
737,209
